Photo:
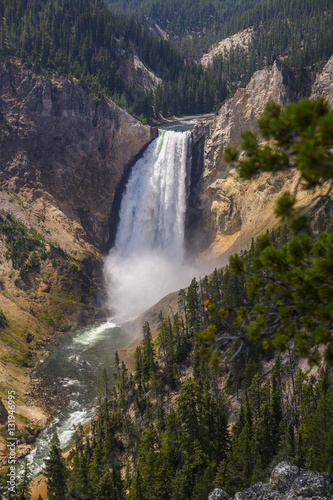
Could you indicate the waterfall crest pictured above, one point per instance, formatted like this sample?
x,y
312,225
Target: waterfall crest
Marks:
x,y
146,262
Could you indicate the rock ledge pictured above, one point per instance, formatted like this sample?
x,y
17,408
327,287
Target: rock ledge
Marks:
x,y
287,482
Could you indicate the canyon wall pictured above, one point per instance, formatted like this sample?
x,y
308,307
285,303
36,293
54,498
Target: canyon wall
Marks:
x,y
225,212
58,139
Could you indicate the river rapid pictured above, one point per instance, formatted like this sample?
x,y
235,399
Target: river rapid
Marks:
x,y
76,362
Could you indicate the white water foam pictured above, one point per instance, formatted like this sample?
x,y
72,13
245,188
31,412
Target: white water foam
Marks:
x,y
66,432
67,382
93,335
147,261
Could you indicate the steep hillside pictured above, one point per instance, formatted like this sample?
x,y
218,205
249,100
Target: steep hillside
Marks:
x,y
240,40
237,39
226,212
107,52
58,139
113,55
181,20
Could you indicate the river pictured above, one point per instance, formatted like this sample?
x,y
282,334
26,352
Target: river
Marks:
x,y
76,361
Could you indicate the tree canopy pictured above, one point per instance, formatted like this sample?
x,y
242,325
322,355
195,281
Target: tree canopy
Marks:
x,y
95,42
55,471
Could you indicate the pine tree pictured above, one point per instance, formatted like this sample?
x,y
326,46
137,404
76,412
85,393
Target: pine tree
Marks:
x,y
24,491
167,349
148,353
117,366
188,410
55,471
109,486
104,384
276,415
263,444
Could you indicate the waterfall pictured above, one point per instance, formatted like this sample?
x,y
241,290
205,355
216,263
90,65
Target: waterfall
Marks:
x,y
147,261
153,207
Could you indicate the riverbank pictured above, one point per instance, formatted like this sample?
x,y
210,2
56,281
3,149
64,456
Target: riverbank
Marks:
x,y
38,400
71,375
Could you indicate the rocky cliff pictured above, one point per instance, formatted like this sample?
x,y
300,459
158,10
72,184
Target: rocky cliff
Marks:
x,y
59,140
323,85
226,212
287,482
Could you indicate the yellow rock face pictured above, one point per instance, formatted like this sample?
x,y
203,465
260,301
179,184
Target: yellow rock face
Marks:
x,y
231,211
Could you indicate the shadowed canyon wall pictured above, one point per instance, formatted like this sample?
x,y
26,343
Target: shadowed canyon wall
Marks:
x,y
58,139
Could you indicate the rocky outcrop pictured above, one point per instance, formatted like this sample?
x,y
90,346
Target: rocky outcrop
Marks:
x,y
137,74
241,40
226,212
287,482
58,139
323,85
218,494
241,111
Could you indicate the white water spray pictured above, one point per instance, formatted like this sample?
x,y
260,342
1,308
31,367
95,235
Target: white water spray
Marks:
x,y
147,261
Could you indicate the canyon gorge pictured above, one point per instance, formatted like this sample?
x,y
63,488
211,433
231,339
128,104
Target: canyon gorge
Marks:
x,y
65,161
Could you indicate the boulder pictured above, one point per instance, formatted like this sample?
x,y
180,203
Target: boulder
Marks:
x,y
287,482
218,494
283,475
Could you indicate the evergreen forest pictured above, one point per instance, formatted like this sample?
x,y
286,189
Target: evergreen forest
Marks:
x,y
163,431
90,40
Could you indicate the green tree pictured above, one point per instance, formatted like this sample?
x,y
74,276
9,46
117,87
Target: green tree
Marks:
x,y
24,492
109,486
167,349
188,410
148,353
291,286
55,471
263,444
148,459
